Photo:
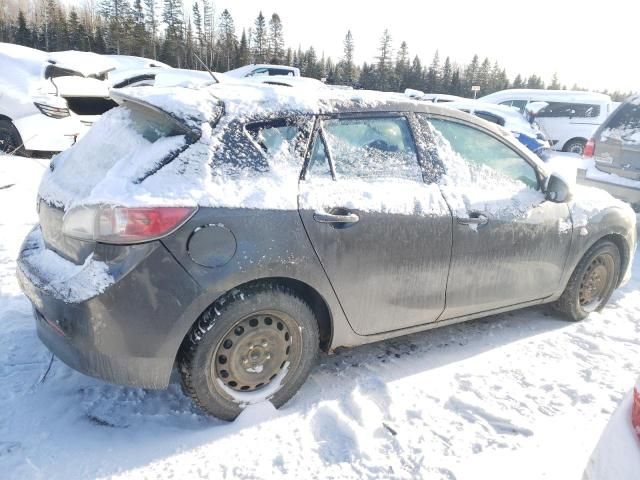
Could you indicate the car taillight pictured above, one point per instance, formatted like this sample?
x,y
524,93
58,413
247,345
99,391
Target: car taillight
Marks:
x,y
589,148
122,225
635,410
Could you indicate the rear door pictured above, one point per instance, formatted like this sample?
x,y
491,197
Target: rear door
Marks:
x,y
382,233
619,142
509,244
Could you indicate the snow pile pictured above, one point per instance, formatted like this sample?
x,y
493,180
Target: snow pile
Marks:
x,y
60,278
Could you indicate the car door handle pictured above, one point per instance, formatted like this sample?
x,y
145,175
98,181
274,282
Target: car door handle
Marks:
x,y
334,218
474,218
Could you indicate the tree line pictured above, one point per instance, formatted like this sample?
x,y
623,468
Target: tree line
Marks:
x,y
199,37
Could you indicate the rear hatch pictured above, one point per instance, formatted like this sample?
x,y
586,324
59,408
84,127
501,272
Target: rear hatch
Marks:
x,y
111,163
617,144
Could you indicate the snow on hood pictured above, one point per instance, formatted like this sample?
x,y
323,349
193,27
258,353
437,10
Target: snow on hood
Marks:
x,y
85,63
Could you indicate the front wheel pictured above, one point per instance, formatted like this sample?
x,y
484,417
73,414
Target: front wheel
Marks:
x,y
255,344
592,282
10,141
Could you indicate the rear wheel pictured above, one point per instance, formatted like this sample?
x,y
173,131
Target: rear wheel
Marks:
x,y
592,282
575,146
10,140
253,345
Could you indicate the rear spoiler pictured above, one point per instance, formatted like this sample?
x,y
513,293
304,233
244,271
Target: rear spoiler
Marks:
x,y
189,129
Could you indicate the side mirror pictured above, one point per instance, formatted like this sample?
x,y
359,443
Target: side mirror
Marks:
x,y
557,189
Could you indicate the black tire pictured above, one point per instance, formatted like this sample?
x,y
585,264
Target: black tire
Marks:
x,y
587,290
10,140
280,316
575,145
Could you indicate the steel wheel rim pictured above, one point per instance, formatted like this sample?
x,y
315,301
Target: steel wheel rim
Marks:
x,y
595,282
576,148
254,351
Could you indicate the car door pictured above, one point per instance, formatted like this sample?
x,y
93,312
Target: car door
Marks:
x,y
382,234
509,244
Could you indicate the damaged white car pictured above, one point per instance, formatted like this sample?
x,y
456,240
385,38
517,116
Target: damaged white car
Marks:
x,y
50,99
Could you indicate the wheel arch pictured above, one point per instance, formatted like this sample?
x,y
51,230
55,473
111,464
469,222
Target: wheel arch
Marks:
x,y
625,252
5,118
316,301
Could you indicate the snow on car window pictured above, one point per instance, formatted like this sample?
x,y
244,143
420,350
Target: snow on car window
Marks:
x,y
482,150
624,124
108,150
372,148
473,185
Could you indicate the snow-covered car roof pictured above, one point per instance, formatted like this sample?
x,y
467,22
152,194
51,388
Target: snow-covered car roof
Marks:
x,y
557,95
286,81
85,63
33,62
245,70
163,77
131,62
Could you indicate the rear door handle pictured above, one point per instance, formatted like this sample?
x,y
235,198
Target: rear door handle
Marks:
x,y
333,218
474,218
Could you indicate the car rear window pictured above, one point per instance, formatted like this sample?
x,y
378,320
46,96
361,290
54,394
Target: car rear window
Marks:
x,y
627,117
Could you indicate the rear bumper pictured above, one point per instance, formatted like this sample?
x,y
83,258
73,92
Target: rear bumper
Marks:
x,y
622,191
127,334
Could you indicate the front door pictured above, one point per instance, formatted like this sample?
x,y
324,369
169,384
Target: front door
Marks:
x,y
382,234
509,244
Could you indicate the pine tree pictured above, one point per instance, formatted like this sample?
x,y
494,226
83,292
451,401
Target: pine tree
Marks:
x,y
347,66
402,65
447,72
275,40
227,41
456,84
384,70
244,55
555,83
471,74
415,76
22,35
151,19
260,39
517,82
483,76
432,83
172,17
139,31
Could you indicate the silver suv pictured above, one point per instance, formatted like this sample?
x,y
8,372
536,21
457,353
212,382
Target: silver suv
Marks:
x,y
615,148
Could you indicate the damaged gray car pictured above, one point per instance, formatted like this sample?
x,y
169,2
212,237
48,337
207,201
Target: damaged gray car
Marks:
x,y
236,231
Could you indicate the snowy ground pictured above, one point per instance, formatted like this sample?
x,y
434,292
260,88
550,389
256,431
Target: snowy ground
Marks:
x,y
522,395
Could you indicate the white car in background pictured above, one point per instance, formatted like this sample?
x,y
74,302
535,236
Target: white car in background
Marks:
x,y
48,100
433,97
569,118
263,69
527,133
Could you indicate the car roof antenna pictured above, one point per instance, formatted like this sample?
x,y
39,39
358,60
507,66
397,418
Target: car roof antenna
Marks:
x,y
205,67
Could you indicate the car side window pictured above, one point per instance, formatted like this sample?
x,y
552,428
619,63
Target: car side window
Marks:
x,y
483,150
318,160
372,147
280,135
570,110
